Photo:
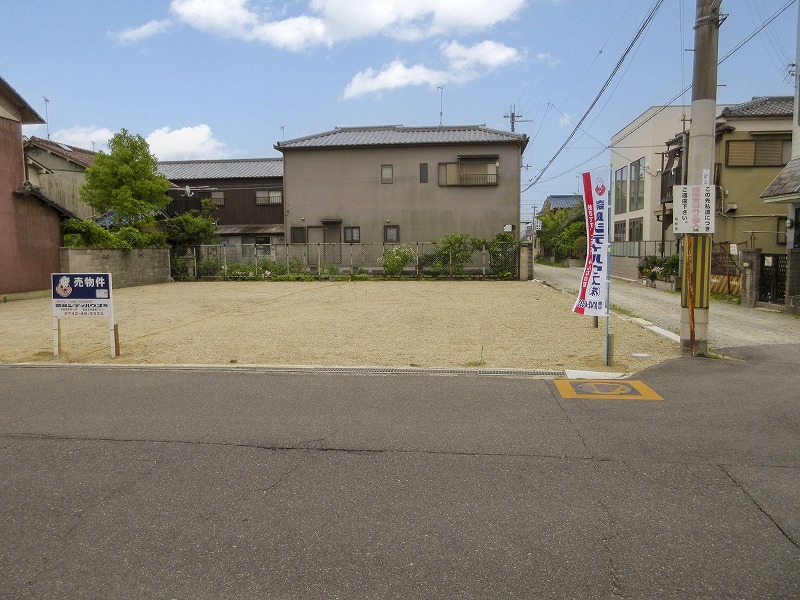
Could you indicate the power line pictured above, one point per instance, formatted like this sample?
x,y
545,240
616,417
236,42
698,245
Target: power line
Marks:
x,y
664,106
639,32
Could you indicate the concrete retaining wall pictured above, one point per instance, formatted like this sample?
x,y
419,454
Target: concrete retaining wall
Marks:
x,y
128,267
625,267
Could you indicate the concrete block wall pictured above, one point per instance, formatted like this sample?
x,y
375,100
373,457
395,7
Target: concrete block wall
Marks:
x,y
128,268
625,267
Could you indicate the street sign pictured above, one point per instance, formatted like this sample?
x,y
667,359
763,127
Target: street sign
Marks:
x,y
694,208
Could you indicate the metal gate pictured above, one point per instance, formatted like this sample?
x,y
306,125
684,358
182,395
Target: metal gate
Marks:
x,y
772,287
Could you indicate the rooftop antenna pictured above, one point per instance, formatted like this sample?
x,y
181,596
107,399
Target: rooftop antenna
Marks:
x,y
283,133
46,118
441,103
92,146
515,118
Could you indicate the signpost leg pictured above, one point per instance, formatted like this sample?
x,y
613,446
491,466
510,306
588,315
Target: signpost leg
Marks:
x,y
114,337
56,336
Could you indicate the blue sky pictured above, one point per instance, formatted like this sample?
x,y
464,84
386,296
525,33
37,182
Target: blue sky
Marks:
x,y
229,78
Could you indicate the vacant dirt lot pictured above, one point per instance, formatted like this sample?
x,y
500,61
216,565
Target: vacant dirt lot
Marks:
x,y
523,325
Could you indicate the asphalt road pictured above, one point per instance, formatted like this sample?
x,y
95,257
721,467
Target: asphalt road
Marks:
x,y
729,324
147,483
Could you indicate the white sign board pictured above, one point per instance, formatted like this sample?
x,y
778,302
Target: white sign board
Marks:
x,y
694,208
82,295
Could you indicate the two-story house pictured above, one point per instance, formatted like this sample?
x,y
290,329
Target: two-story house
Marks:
x,y
248,194
58,171
30,231
392,184
648,157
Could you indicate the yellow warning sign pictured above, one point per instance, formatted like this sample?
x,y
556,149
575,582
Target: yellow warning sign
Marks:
x,y
605,389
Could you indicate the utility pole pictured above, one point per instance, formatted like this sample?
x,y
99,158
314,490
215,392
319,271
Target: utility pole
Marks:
x,y
695,290
515,118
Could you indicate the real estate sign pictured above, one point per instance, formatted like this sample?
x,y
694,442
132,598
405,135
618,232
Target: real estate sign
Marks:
x,y
693,208
82,295
593,295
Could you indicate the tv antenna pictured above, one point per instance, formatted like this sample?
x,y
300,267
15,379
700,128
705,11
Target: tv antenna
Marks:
x,y
46,118
441,103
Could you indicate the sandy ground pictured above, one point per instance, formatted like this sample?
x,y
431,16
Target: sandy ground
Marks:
x,y
482,324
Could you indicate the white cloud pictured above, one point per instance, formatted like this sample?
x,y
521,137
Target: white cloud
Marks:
x,y
88,138
465,63
329,21
149,29
187,143
392,76
487,54
546,57
564,121
411,19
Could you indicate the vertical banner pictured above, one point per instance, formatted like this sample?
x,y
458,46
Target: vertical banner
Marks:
x,y
593,297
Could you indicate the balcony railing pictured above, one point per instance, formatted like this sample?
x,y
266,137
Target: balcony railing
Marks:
x,y
477,179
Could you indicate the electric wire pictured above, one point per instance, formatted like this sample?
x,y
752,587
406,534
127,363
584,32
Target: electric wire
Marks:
x,y
636,37
668,103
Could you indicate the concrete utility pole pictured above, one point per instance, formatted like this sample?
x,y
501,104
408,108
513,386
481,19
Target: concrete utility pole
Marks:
x,y
515,118
696,289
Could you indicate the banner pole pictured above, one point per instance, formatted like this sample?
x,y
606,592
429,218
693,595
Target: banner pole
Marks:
x,y
609,226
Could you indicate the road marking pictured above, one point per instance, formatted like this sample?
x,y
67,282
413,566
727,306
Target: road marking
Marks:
x,y
605,389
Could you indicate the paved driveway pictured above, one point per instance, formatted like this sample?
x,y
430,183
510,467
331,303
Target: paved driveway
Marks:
x,y
730,325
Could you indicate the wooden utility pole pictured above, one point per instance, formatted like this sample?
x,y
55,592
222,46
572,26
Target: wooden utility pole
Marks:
x,y
695,290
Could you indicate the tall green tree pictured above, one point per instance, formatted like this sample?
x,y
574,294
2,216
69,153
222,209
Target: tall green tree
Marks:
x,y
126,181
193,227
563,233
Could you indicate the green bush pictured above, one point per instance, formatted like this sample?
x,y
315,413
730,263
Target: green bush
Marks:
x,y
209,267
394,260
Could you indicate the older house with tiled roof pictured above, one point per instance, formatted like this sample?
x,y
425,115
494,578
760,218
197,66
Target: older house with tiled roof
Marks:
x,y
57,171
248,194
391,184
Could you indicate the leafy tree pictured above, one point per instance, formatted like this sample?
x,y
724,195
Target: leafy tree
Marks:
x,y
127,181
84,234
563,233
193,227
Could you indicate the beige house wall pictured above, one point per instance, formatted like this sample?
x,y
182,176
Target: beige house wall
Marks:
x,y
753,222
345,183
647,141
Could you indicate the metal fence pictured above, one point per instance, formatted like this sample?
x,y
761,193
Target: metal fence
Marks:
x,y
324,261
640,249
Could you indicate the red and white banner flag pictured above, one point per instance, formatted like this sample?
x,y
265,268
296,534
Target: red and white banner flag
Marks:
x,y
593,295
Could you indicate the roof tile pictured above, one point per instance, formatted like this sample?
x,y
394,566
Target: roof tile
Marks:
x,y
248,168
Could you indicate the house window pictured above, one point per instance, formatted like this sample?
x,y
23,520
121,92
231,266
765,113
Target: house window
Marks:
x,y
269,197
635,230
759,153
352,235
218,198
619,231
469,171
621,191
637,185
391,234
423,172
298,235
387,173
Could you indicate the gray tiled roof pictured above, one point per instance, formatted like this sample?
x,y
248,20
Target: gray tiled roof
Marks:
x,y
564,201
397,135
787,182
77,155
762,106
252,168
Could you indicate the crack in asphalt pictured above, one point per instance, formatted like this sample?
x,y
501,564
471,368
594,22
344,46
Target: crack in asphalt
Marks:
x,y
760,508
